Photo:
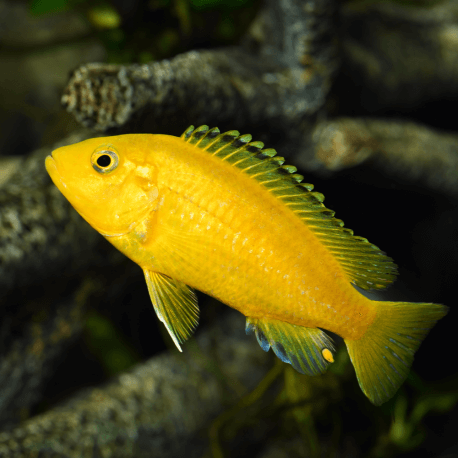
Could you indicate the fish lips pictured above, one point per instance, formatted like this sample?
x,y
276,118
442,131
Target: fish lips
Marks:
x,y
53,171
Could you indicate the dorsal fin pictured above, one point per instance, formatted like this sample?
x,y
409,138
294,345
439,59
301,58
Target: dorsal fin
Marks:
x,y
364,264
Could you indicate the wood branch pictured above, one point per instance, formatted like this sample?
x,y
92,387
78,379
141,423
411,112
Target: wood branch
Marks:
x,y
281,75
401,148
155,410
38,326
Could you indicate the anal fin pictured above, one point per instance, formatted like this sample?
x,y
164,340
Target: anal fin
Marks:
x,y
175,305
308,350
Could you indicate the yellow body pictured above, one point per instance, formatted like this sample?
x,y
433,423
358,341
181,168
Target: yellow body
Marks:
x,y
240,244
184,214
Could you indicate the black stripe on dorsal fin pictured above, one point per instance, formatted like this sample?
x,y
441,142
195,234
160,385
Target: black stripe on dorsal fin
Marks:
x,y
364,264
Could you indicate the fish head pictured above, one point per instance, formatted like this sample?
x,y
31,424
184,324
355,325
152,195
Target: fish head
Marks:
x,y
108,180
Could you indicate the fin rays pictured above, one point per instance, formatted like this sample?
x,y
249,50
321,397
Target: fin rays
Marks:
x,y
301,347
175,305
383,356
376,272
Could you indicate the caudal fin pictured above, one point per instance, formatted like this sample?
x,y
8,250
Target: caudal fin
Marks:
x,y
383,356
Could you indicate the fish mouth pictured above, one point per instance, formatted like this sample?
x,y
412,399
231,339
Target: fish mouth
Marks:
x,y
50,164
54,173
51,167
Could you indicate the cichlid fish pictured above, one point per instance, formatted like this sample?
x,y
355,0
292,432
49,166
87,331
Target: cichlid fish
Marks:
x,y
220,214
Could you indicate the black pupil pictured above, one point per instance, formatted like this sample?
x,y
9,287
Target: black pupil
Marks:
x,y
104,160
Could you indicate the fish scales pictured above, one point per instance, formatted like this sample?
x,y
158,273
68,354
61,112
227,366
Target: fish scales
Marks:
x,y
220,214
253,281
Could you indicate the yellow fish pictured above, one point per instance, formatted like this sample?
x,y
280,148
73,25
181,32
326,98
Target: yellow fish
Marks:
x,y
218,213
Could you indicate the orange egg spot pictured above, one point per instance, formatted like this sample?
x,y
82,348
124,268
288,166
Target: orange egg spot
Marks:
x,y
327,355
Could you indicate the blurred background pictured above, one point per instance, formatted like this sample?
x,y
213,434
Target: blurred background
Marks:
x,y
42,41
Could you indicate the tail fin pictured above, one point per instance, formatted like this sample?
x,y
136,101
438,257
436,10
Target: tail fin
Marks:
x,y
383,356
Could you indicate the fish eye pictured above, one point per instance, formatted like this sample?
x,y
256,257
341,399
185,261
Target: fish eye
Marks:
x,y
104,159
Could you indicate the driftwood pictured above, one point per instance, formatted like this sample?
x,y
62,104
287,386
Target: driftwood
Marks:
x,y
279,76
274,85
403,148
156,409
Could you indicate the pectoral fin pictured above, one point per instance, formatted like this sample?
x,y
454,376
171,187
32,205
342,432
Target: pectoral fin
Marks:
x,y
308,350
175,304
